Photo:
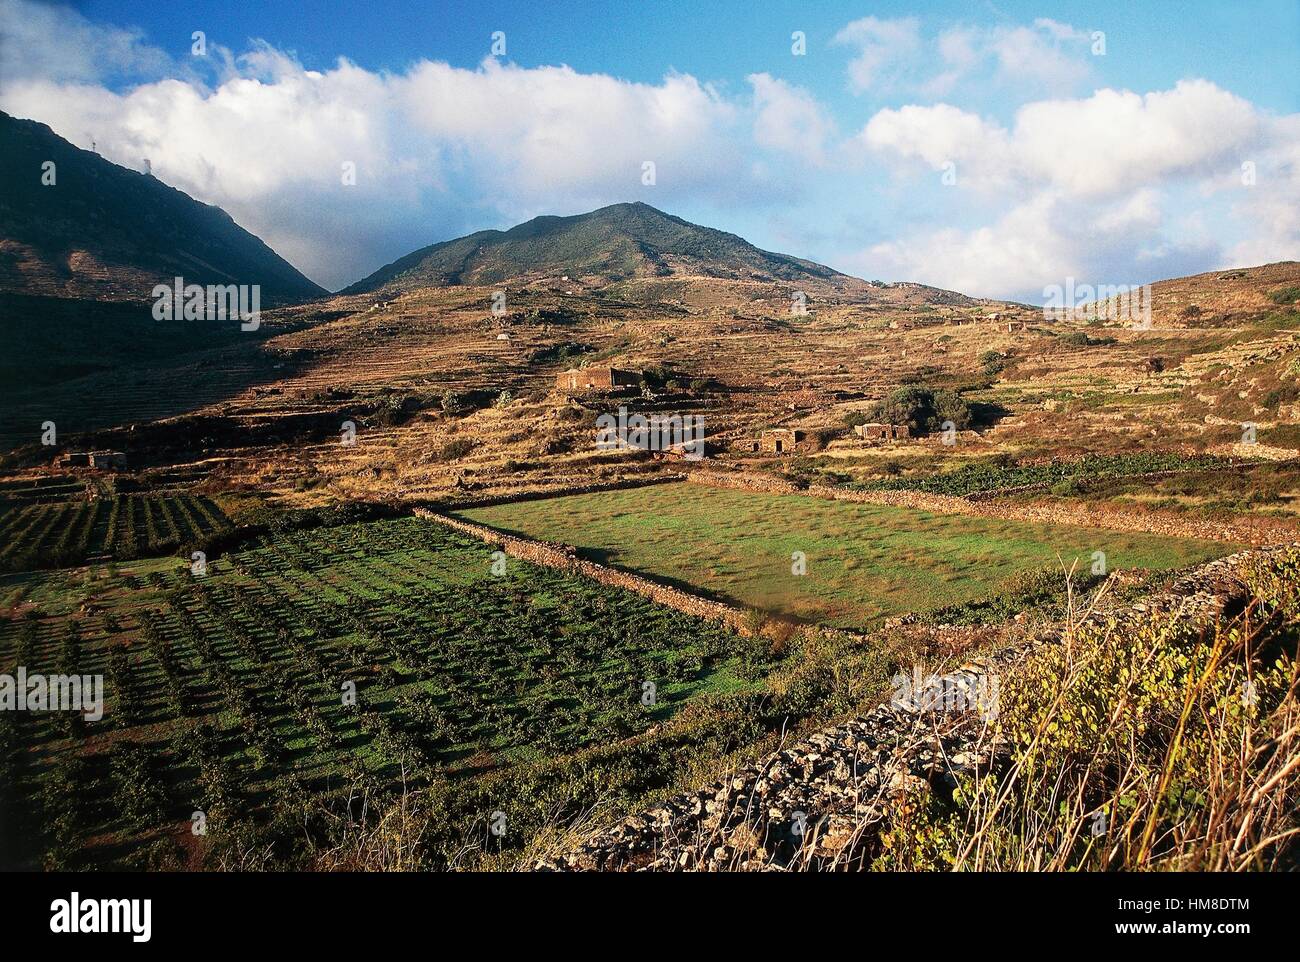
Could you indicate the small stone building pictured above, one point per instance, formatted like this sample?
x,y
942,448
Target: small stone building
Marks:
x,y
780,441
111,460
882,432
77,459
596,378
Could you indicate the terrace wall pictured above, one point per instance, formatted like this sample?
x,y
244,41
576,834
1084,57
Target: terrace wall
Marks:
x,y
1241,530
541,494
843,781
552,555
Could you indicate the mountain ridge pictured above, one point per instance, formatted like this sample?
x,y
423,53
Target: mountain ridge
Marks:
x,y
102,231
610,244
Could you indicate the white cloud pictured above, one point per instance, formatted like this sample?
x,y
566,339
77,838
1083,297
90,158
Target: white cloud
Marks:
x,y
1050,54
1047,56
551,132
38,39
1044,240
1271,204
1086,185
940,135
1111,142
1116,140
789,119
882,46
439,150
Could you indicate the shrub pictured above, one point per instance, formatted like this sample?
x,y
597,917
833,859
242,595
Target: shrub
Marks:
x,y
1083,339
993,362
456,449
923,410
1281,395
1151,743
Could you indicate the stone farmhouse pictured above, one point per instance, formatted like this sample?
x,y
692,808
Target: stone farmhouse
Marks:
x,y
596,379
111,460
778,441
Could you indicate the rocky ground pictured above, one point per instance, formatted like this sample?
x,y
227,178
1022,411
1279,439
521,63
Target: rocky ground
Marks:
x,y
818,803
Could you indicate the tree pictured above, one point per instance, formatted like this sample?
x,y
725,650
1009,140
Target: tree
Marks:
x,y
923,410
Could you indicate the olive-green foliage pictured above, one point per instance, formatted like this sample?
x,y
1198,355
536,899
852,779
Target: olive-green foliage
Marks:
x,y
922,409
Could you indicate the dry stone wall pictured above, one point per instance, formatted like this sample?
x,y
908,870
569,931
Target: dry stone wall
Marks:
x,y
540,494
553,555
815,803
1255,531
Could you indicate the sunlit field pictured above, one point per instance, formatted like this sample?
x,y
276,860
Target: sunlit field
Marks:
x,y
863,562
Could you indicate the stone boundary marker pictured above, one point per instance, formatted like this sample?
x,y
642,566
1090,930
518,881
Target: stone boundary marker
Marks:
x,y
812,804
553,555
1249,531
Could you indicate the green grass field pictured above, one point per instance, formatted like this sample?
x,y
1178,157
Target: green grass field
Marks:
x,y
864,562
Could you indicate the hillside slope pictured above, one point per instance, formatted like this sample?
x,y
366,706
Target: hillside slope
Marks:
x,y
103,232
612,244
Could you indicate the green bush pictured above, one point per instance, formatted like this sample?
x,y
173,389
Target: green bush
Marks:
x,y
993,362
1083,339
922,409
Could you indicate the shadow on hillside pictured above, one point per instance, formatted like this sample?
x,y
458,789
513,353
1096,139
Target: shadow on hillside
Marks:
x,y
985,414
89,365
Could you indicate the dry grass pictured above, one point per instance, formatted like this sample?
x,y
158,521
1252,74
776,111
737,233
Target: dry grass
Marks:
x,y
1146,745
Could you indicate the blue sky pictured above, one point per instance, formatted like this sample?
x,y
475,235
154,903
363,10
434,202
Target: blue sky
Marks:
x,y
1251,48
994,148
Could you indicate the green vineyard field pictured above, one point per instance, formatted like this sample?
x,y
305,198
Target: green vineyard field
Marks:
x,y
52,534
229,694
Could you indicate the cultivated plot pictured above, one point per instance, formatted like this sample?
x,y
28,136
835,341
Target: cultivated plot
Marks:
x,y
863,562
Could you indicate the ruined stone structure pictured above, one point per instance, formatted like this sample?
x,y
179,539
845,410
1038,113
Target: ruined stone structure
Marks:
x,y
777,441
596,379
882,432
110,460
104,460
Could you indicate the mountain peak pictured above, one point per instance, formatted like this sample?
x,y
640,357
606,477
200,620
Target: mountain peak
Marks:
x,y
607,245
